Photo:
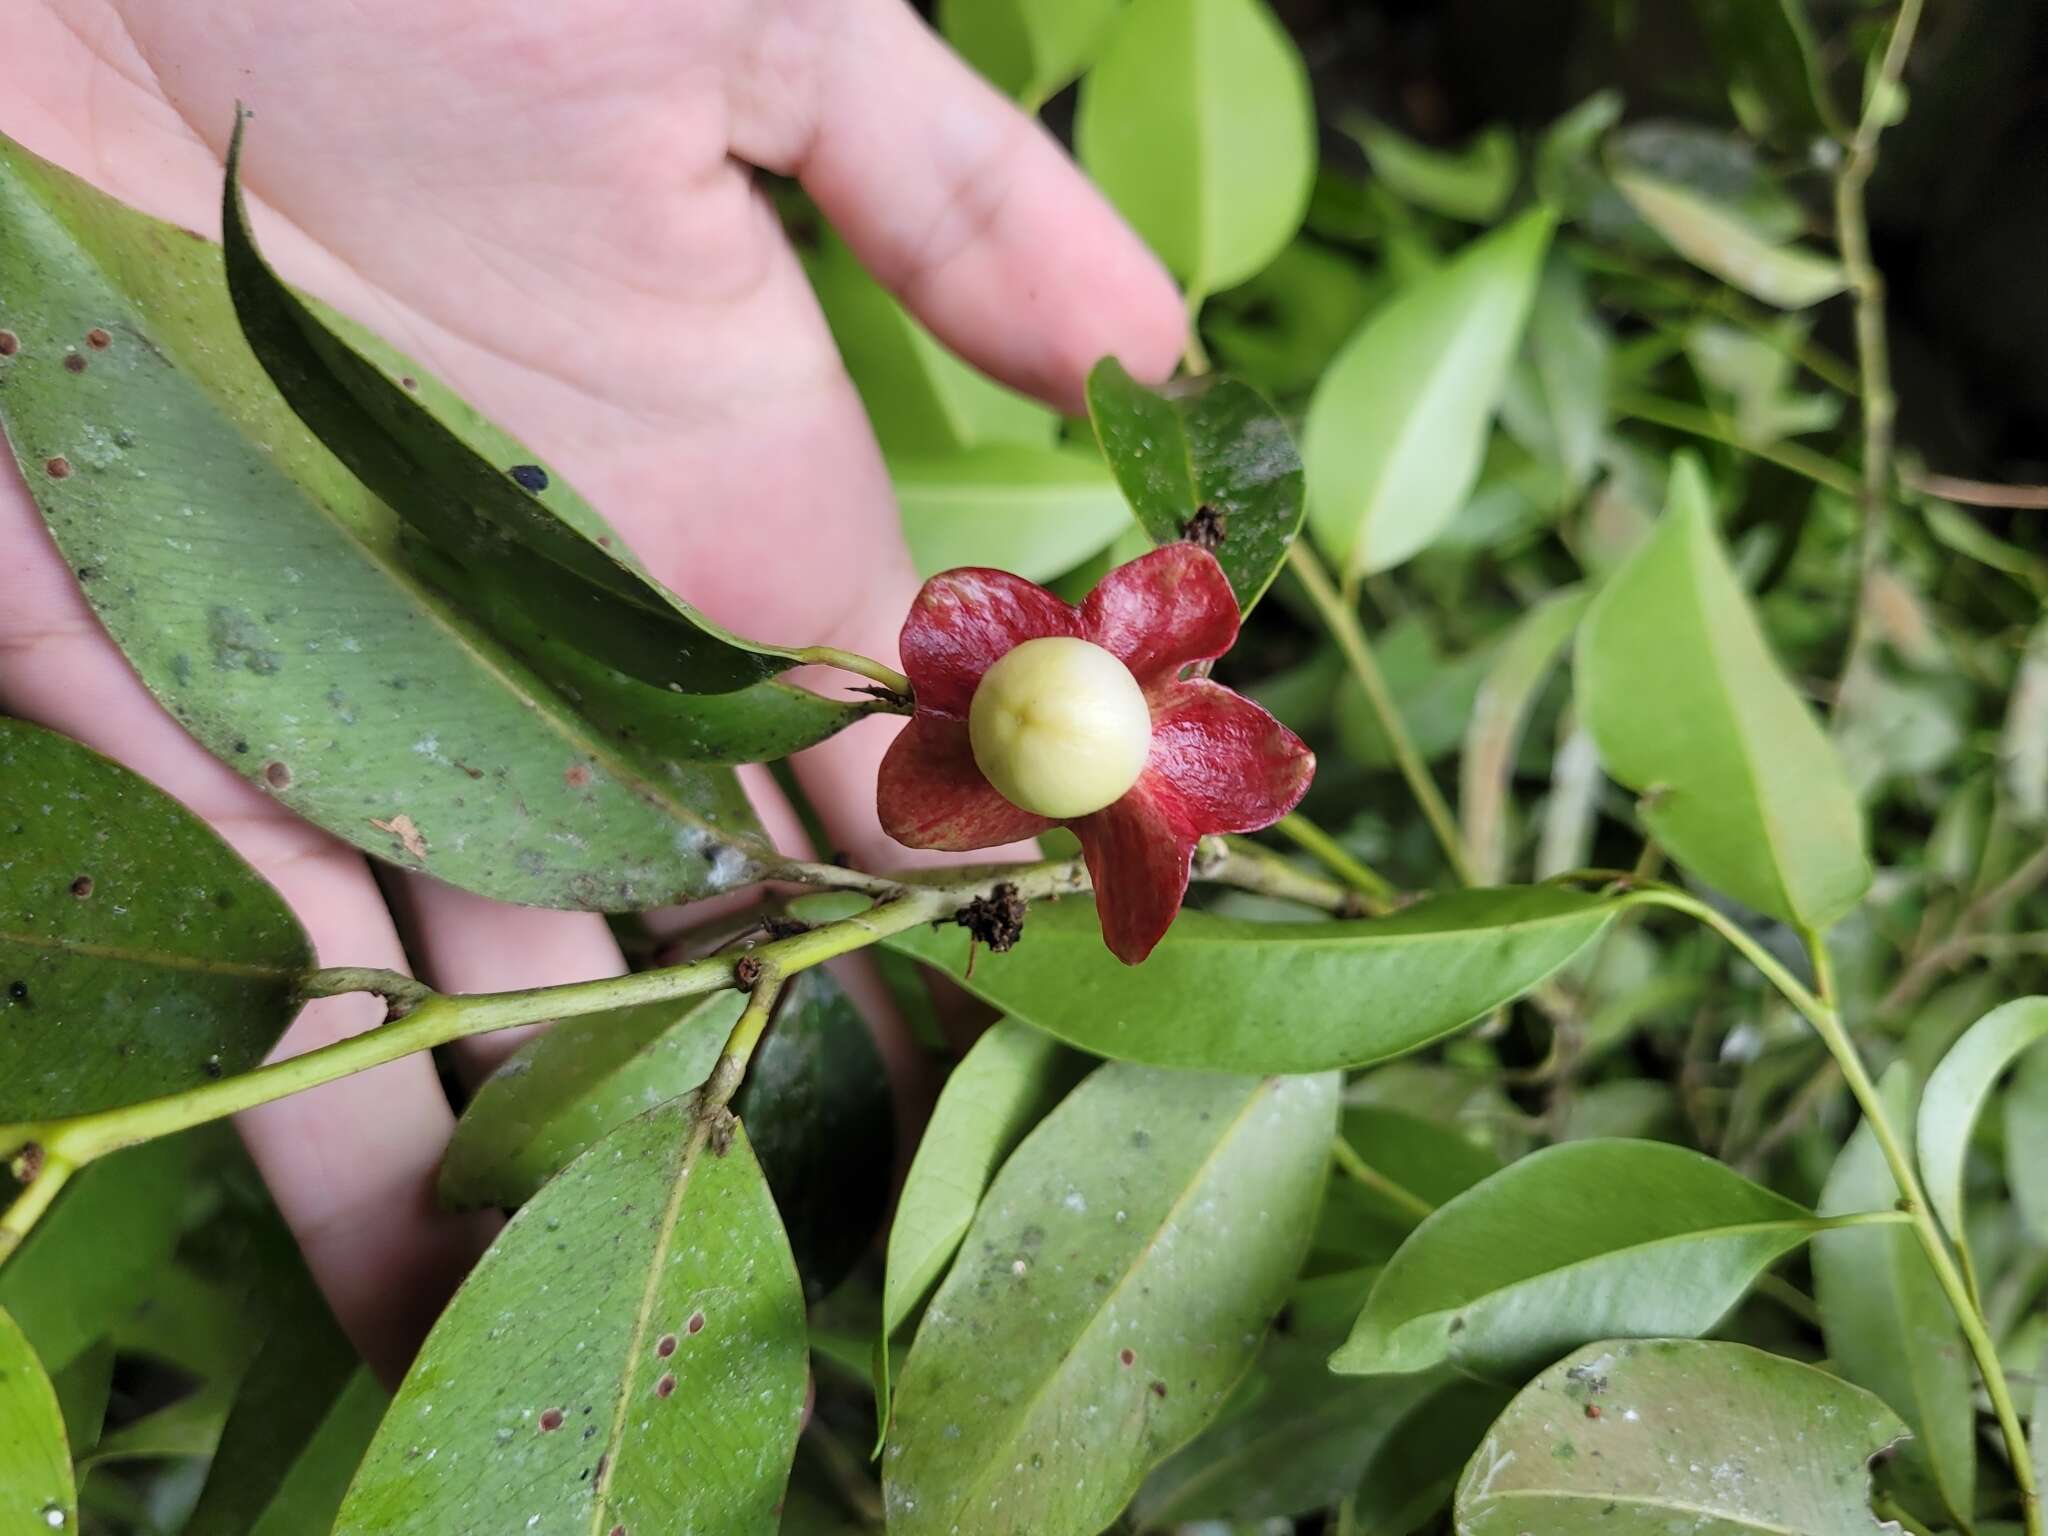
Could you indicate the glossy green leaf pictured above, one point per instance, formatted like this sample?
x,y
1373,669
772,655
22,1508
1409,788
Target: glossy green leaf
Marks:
x,y
629,1352
1233,995
1035,511
1472,183
1413,1472
815,1088
1406,1167
1643,1438
354,691
546,545
310,1495
1396,432
97,1251
1588,1239
1887,1324
36,1491
1110,1293
1196,121
1002,1088
1292,1440
1028,49
922,401
1493,736
1556,400
1208,443
2026,1144
1690,709
138,954
186,1429
1719,240
1956,1094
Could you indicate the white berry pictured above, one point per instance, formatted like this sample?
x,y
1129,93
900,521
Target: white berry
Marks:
x,y
1060,727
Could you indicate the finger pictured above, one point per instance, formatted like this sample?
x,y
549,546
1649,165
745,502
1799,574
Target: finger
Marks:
x,y
350,1164
967,208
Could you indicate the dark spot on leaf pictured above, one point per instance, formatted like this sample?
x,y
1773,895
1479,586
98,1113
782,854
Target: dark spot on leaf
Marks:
x,y
1141,1139
1159,1389
224,899
74,362
604,541
618,1530
240,643
577,776
665,1345
1457,1325
550,1421
82,887
1207,529
530,476
18,992
1127,1356
276,775
241,746
695,1324
408,381
746,971
57,468
88,572
996,919
98,339
1592,1410
666,1386
211,1067
9,343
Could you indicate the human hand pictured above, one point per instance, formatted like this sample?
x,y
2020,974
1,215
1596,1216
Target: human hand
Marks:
x,y
555,213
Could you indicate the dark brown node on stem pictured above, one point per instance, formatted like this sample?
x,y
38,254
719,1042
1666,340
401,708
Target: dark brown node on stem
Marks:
x,y
550,1420
996,919
783,927
9,343
57,468
665,1387
98,339
82,887
746,971
1207,529
74,362
28,1162
277,775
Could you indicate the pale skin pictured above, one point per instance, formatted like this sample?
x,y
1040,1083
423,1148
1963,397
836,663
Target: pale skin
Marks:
x,y
552,207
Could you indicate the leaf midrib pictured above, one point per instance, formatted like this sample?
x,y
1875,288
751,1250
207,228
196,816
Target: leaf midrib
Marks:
x,y
1679,1506
164,960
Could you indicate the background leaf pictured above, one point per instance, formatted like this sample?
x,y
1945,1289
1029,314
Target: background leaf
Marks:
x,y
2026,1143
1196,121
1717,239
1955,1096
1229,994
1028,49
1641,1438
1690,709
1888,1325
1119,1276
1472,183
630,1351
36,1491
352,689
138,954
1036,511
1212,443
1528,1264
1397,429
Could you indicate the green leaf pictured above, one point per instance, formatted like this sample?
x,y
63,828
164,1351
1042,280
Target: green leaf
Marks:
x,y
1196,121
1415,1469
1887,1324
645,1294
1002,1088
36,1491
545,543
1556,400
1034,511
1119,1276
1396,432
1028,49
1719,240
1688,707
1494,735
354,690
1292,1440
98,1251
2023,741
1434,692
1412,1165
138,954
1645,1438
816,1088
1206,443
297,1428
1472,183
1955,1097
1776,77
1587,1239
921,400
1234,995
186,1429
2026,1145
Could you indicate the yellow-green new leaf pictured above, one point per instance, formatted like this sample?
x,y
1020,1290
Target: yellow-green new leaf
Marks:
x,y
1472,183
36,1491
1396,432
1690,710
1716,240
1197,122
1029,49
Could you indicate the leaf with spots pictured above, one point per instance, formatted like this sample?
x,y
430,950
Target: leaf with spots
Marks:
x,y
628,1357
1113,1289
139,955
278,611
1206,459
36,1490
1643,1438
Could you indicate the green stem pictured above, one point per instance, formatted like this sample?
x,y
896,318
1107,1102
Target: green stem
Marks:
x,y
1253,868
1195,358
1827,1023
1691,419
28,1208
1346,1157
1336,858
859,665
1342,621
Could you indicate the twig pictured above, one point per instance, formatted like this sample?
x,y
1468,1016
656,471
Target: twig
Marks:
x,y
1922,971
1680,417
1336,858
1979,493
